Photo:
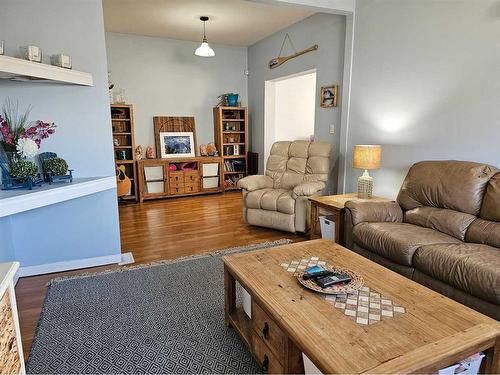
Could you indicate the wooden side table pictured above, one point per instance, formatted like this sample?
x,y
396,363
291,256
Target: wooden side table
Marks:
x,y
334,204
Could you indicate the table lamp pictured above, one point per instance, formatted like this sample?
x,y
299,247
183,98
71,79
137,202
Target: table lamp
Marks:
x,y
366,157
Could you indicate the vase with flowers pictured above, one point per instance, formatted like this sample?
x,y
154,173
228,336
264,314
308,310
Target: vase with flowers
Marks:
x,y
20,138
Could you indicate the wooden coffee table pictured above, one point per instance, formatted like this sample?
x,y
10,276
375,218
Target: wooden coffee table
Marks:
x,y
433,332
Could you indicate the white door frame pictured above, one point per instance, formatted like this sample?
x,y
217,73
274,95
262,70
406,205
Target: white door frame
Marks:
x,y
347,8
270,110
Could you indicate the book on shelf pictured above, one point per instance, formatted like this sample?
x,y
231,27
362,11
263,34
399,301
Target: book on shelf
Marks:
x,y
234,166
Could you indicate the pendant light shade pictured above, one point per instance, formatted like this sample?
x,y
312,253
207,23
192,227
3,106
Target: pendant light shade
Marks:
x,y
204,50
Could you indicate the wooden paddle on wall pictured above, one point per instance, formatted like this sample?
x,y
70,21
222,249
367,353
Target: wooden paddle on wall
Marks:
x,y
280,60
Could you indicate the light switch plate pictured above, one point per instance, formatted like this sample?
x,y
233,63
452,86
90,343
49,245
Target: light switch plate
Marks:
x,y
332,128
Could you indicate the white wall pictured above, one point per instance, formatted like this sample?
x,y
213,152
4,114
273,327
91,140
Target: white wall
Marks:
x,y
289,109
425,84
163,77
295,107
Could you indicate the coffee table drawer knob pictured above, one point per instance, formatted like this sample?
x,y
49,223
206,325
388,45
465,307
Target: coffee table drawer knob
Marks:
x,y
265,363
265,330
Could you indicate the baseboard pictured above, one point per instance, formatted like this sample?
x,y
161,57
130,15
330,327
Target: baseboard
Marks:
x,y
68,265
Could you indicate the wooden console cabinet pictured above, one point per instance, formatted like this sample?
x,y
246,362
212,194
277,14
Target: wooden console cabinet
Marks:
x,y
166,178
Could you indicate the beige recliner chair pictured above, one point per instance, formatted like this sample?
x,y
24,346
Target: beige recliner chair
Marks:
x,y
295,171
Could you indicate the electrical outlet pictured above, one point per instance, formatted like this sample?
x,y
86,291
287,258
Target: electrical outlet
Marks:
x,y
332,128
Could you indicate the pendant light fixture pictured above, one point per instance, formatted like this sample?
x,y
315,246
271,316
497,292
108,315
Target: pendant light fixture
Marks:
x,y
204,50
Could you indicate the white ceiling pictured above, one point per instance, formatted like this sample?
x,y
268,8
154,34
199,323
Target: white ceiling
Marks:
x,y
236,22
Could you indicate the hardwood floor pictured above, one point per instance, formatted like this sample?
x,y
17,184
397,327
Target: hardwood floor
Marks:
x,y
155,230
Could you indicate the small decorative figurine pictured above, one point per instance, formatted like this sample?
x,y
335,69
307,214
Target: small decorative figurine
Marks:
x,y
139,152
211,149
116,142
150,154
203,150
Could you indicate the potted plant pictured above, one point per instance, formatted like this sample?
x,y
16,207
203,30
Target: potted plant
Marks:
x,y
20,139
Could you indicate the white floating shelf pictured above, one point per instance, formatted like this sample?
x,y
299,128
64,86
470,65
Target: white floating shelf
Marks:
x,y
16,69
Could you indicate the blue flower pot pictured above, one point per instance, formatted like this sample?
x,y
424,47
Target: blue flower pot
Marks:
x,y
232,100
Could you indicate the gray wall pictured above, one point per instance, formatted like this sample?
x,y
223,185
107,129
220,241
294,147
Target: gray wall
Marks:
x,y
7,251
89,225
163,77
328,31
425,84
74,27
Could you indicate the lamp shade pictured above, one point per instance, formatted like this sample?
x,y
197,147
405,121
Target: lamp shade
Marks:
x,y
204,50
367,156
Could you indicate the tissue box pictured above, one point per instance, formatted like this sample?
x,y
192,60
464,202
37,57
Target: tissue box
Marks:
x,y
60,60
31,53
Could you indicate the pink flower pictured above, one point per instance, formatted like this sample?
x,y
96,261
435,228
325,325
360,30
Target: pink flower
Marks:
x,y
41,130
7,135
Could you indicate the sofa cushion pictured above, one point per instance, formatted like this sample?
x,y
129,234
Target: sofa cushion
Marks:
x,y
490,209
484,232
252,199
291,163
446,221
279,200
456,185
473,268
397,241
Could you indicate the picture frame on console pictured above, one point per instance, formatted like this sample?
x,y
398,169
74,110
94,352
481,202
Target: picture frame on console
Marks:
x,y
177,144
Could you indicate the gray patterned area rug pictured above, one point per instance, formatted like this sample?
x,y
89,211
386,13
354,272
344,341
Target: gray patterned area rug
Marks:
x,y
143,319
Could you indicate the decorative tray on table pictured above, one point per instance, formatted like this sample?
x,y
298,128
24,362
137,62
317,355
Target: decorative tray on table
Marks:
x,y
355,284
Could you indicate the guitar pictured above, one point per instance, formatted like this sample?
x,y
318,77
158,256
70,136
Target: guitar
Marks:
x,y
280,60
123,183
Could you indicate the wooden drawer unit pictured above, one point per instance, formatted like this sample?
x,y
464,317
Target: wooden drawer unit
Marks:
x,y
176,177
176,188
268,332
265,356
191,177
192,187
198,180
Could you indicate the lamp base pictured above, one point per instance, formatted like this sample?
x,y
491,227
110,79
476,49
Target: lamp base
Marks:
x,y
365,186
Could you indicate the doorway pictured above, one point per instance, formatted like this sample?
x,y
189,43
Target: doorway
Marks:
x,y
289,110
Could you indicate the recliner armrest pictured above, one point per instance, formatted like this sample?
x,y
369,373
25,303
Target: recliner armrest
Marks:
x,y
374,212
256,182
307,189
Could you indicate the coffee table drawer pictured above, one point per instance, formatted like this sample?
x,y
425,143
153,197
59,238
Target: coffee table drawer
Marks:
x,y
265,357
268,331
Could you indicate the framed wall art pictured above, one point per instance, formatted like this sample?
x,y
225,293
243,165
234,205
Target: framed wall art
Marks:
x,y
175,125
328,96
177,144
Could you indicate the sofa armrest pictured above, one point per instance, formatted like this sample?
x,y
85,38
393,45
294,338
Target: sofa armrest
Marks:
x,y
255,182
375,212
307,189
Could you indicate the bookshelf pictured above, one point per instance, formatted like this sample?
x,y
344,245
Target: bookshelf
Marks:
x,y
122,122
231,139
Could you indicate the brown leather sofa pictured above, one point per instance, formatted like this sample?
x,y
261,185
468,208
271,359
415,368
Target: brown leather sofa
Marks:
x,y
443,231
279,199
